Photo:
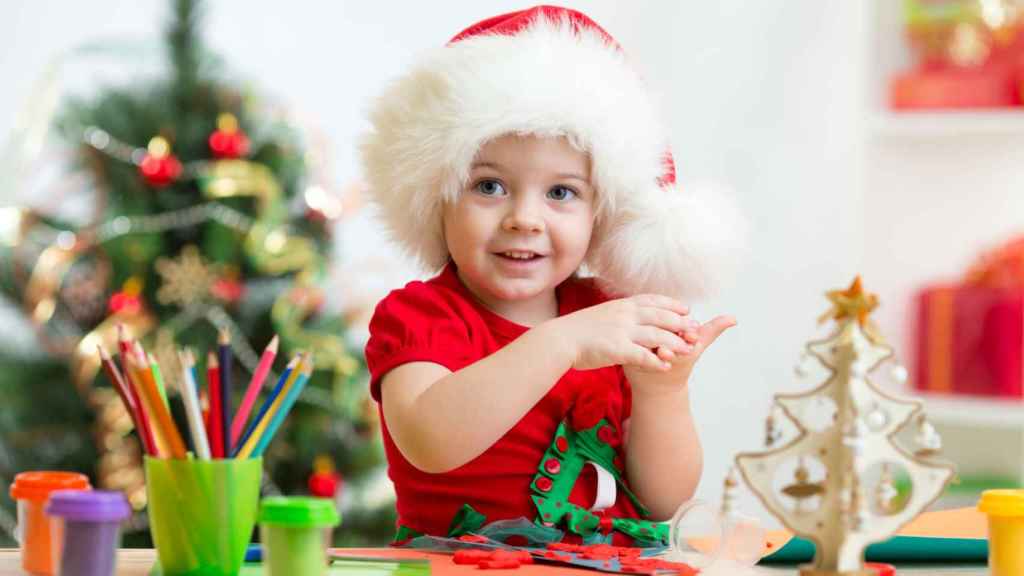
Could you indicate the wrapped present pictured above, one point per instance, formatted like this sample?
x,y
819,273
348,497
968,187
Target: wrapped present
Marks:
x,y
969,340
991,86
969,337
966,53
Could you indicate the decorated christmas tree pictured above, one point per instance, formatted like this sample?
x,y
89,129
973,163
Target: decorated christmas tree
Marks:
x,y
833,481
200,215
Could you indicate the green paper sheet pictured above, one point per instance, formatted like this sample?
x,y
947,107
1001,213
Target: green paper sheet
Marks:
x,y
896,549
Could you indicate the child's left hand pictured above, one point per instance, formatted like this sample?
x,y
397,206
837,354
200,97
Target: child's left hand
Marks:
x,y
681,365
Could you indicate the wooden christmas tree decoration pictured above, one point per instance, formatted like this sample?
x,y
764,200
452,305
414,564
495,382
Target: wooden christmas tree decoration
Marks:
x,y
849,501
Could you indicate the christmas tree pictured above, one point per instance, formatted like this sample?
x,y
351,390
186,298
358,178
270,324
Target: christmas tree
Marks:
x,y
844,456
202,218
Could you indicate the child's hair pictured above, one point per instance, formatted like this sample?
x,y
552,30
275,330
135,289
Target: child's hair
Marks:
x,y
544,71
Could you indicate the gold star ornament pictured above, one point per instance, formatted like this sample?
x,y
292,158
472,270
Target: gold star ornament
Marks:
x,y
853,302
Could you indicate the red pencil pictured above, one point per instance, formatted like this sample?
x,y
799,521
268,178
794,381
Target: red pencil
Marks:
x,y
122,390
146,432
215,429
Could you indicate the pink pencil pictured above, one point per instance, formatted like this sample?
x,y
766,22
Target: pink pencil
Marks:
x,y
262,369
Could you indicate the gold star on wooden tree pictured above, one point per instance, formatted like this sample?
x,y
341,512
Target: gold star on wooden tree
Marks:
x,y
853,302
186,279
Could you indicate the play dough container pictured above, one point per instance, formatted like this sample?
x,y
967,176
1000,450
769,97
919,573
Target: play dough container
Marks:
x,y
86,528
296,532
31,490
202,513
1005,511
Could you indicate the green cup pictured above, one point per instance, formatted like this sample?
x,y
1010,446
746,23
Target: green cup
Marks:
x,y
296,532
202,513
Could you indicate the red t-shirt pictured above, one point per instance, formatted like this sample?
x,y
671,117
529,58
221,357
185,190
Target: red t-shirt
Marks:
x,y
440,321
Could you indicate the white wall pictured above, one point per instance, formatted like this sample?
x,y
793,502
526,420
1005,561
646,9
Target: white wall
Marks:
x,y
768,97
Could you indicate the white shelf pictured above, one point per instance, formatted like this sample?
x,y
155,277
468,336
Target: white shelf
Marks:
x,y
1001,413
948,124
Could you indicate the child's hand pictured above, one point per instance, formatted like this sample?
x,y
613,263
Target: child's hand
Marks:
x,y
680,366
628,332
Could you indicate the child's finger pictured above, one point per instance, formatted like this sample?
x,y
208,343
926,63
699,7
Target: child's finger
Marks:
x,y
650,337
665,319
644,358
710,331
665,354
659,301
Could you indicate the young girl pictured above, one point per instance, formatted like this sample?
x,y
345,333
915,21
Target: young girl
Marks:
x,y
509,385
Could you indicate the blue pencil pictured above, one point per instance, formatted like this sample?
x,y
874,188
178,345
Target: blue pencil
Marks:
x,y
282,411
266,405
224,357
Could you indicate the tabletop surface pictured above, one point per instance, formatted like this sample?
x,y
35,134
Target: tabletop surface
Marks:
x,y
139,562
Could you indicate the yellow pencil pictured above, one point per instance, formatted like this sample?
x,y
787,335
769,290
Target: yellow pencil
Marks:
x,y
250,443
162,418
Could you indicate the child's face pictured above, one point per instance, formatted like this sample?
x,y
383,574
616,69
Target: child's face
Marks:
x,y
523,222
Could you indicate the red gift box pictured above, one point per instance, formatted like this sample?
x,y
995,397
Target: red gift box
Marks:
x,y
969,339
995,85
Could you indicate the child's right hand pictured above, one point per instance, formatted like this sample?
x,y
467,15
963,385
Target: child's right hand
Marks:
x,y
629,331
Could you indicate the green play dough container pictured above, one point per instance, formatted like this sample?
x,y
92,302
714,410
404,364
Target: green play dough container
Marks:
x,y
296,533
202,513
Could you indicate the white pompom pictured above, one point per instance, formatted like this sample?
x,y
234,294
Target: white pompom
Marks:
x,y
681,242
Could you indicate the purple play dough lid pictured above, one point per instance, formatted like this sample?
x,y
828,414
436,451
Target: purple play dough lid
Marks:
x,y
89,505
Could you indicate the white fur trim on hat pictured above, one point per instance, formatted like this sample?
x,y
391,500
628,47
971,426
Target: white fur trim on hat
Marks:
x,y
548,79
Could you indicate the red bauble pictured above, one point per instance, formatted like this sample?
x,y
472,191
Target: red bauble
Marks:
x,y
159,167
228,140
325,484
228,290
124,302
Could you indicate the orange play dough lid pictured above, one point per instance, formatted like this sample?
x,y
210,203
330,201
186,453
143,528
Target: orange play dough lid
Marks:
x,y
38,485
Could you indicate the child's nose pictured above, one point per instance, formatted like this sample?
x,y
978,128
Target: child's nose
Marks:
x,y
524,216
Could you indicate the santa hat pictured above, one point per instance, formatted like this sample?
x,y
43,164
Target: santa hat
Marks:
x,y
545,71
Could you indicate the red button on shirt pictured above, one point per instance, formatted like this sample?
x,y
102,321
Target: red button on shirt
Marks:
x,y
544,484
607,435
561,444
552,466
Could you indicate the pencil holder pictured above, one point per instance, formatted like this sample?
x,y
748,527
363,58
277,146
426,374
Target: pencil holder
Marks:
x,y
202,513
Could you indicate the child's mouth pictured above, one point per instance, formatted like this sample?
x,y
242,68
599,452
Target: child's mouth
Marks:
x,y
518,256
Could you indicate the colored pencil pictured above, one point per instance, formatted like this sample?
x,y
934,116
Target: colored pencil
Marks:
x,y
224,356
158,376
163,423
255,385
214,431
146,431
250,443
281,380
117,381
191,400
291,396
204,402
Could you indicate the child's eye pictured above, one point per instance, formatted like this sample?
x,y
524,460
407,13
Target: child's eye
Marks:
x,y
490,188
561,193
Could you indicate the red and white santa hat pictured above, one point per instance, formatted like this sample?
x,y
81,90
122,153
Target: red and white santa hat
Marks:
x,y
546,71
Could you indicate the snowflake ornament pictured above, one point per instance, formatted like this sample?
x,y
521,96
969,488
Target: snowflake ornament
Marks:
x,y
187,279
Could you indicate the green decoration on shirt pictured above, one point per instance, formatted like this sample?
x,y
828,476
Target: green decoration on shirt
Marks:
x,y
466,520
557,473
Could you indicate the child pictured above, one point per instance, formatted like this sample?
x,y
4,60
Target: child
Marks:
x,y
510,386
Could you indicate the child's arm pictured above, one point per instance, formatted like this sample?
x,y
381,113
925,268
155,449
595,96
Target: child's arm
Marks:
x,y
441,419
664,458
